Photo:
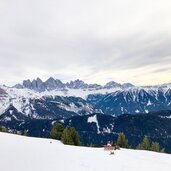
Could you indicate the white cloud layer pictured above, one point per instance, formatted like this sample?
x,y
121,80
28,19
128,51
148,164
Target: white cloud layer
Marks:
x,y
94,40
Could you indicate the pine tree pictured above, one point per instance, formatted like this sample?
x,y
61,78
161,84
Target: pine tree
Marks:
x,y
122,141
155,147
75,136
66,136
56,132
145,145
70,136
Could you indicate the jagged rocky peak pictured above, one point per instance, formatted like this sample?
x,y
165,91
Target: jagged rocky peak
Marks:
x,y
37,82
96,86
127,85
39,85
19,86
56,84
112,84
52,84
77,84
50,80
27,84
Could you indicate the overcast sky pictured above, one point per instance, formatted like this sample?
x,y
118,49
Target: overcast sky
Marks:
x,y
93,40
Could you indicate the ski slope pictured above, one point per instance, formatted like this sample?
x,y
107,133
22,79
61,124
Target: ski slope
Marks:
x,y
20,153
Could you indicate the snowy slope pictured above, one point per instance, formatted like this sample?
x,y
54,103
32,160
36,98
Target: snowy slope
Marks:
x,y
32,154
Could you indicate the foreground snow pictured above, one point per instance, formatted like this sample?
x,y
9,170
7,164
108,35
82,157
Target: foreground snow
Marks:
x,y
33,154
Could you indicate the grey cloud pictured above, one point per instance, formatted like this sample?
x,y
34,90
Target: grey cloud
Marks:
x,y
162,70
73,38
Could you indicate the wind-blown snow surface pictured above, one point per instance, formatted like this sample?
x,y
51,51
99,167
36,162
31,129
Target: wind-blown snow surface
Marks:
x,y
34,154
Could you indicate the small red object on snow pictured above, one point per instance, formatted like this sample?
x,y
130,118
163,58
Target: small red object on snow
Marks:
x,y
108,148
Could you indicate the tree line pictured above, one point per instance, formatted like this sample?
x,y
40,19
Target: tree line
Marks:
x,y
68,135
3,129
122,142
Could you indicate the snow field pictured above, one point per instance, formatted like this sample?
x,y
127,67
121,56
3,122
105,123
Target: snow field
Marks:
x,y
19,153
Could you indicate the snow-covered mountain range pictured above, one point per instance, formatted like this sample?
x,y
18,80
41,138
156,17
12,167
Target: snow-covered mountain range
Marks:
x,y
53,99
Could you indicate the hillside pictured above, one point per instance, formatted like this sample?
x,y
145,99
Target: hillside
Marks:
x,y
23,153
99,128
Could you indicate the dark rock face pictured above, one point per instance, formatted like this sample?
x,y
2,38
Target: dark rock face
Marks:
x,y
40,86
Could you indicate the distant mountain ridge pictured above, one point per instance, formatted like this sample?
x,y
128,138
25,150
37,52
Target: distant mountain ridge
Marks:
x,y
135,101
53,84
